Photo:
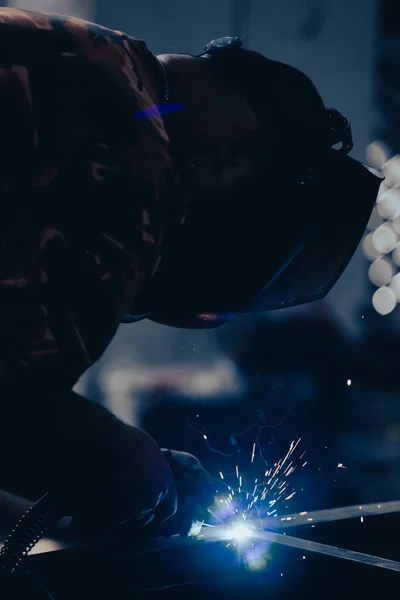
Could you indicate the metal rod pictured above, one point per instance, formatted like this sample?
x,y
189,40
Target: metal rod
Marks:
x,y
358,557
332,514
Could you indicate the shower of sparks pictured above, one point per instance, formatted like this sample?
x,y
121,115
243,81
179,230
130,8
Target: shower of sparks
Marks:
x,y
248,509
261,498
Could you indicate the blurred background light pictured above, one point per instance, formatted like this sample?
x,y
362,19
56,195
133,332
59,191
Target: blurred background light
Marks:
x,y
384,300
381,271
384,238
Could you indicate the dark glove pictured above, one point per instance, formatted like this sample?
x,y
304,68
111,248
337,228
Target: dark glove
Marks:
x,y
195,493
125,488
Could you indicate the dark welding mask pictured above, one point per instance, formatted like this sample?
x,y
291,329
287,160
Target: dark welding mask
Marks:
x,y
283,236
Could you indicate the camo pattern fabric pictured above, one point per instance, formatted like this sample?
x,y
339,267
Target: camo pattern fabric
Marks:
x,y
87,189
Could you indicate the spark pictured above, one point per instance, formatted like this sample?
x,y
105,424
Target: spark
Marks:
x,y
362,519
295,446
349,382
341,466
288,467
254,450
269,497
205,437
291,496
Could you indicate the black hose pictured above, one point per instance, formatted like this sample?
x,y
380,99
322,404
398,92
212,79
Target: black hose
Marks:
x,y
28,531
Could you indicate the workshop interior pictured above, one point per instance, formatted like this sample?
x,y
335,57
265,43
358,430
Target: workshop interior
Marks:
x,y
295,413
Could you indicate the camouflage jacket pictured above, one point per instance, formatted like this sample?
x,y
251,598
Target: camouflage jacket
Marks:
x,y
88,190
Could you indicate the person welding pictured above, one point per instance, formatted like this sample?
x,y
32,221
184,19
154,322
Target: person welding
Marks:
x,y
182,189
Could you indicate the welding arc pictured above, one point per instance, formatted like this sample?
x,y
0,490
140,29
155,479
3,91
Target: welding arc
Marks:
x,y
321,516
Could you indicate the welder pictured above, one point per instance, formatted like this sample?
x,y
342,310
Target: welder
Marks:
x,y
182,189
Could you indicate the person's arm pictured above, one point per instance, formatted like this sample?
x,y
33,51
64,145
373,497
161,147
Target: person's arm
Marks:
x,y
53,328
89,192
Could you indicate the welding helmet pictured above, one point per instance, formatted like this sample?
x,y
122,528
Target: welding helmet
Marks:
x,y
283,236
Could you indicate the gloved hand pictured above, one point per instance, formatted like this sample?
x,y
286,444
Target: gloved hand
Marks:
x,y
195,493
127,486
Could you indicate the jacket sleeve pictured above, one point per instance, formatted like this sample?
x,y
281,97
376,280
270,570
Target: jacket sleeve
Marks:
x,y
86,189
58,314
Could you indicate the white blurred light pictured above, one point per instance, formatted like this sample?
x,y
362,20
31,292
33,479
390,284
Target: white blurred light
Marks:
x,y
384,300
377,154
395,286
375,220
381,272
391,169
384,238
389,204
396,255
383,188
396,225
369,249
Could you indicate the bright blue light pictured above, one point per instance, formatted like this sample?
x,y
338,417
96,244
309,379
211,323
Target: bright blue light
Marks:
x,y
156,110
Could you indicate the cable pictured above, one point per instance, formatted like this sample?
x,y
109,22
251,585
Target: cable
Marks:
x,y
26,534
